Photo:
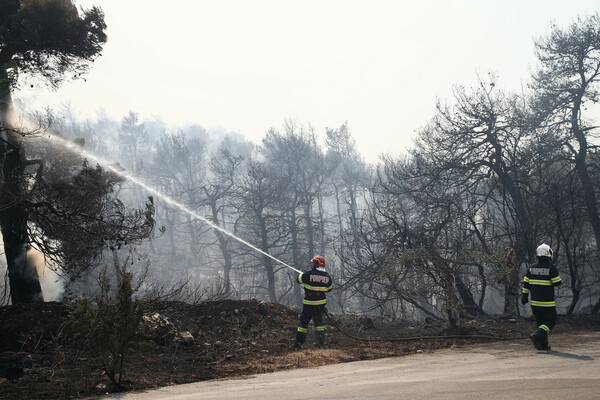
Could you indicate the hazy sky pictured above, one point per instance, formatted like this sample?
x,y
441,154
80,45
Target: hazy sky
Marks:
x,y
249,65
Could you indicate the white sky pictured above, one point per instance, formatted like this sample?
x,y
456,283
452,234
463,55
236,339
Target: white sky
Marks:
x,y
249,65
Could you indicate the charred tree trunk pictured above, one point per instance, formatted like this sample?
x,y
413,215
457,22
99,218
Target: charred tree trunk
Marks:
x,y
268,264
295,255
587,184
522,245
466,297
23,277
576,295
224,246
309,226
512,284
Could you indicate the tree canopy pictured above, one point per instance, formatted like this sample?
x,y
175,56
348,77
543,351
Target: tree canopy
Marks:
x,y
48,38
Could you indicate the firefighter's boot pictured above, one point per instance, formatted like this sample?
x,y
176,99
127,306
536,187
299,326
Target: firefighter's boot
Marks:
x,y
537,340
540,339
544,336
300,339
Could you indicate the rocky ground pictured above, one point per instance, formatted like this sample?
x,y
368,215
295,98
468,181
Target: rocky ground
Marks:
x,y
42,358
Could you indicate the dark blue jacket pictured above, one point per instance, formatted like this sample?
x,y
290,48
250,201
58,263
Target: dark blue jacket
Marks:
x,y
540,281
316,283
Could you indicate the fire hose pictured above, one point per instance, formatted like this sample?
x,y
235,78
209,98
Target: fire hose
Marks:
x,y
412,338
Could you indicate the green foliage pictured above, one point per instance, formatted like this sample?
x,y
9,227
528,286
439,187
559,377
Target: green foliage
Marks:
x,y
48,38
74,214
502,264
51,40
421,273
110,324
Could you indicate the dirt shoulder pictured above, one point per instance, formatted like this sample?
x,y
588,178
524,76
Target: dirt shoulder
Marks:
x,y
41,357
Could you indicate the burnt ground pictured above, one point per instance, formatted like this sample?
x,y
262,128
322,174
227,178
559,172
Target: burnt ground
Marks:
x,y
41,357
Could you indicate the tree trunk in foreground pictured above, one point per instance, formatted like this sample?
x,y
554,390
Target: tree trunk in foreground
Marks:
x,y
22,275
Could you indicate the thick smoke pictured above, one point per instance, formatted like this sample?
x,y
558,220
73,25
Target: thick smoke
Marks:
x,y
52,284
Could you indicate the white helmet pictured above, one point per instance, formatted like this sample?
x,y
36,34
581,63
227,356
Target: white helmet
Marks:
x,y
544,250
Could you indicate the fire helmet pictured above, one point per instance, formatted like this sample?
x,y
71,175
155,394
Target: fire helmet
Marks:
x,y
318,261
544,250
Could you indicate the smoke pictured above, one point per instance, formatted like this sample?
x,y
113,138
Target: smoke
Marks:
x,y
74,147
52,284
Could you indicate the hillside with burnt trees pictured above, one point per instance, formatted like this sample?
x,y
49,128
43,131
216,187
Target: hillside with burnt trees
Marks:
x,y
43,354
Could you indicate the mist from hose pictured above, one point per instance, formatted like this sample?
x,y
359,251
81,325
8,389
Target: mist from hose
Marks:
x,y
167,199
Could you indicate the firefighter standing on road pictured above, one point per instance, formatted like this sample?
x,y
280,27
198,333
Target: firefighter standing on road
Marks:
x,y
317,283
540,281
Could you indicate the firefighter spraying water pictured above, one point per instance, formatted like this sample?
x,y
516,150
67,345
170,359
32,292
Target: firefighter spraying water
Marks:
x,y
317,283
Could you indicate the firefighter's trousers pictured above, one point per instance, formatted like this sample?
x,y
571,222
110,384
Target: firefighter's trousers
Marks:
x,y
545,319
316,314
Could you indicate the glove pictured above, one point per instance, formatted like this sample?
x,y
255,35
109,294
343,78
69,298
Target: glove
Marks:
x,y
524,298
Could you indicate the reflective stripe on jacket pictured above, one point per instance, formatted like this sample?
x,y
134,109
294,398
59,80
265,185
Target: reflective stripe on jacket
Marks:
x,y
316,283
539,282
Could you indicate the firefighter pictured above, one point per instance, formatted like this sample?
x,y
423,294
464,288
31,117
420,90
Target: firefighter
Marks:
x,y
540,281
317,283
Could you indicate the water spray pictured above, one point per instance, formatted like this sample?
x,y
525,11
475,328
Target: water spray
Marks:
x,y
167,199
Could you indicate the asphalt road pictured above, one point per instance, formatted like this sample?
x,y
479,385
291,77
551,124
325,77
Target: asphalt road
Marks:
x,y
501,370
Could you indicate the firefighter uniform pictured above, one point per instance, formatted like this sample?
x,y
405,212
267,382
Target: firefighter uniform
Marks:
x,y
317,283
539,282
